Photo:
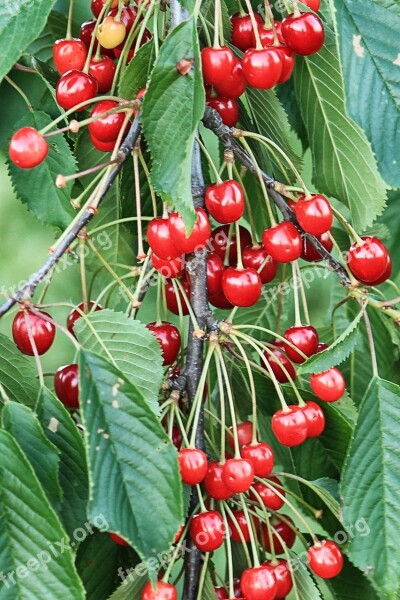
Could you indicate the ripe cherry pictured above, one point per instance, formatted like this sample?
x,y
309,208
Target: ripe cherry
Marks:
x,y
325,559
385,275
269,497
198,237
221,593
102,146
107,128
281,571
281,366
176,437
66,385
282,242
69,54
225,201
217,64
242,287
234,85
227,108
111,32
304,34
368,260
314,215
193,465
244,433
168,268
214,484
42,331
117,539
169,338
76,313
328,386
254,256
161,240
305,338
163,591
239,523
219,241
290,426
147,35
28,148
310,253
75,87
220,301
261,457
313,4
172,297
267,35
288,62
207,530
315,419
215,270
103,70
283,529
97,5
258,584
262,68
242,31
238,475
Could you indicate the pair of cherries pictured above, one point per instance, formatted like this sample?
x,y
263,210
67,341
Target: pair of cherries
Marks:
x,y
105,128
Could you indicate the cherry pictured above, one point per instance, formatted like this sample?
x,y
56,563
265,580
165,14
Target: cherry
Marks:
x,y
310,253
315,419
328,386
282,242
214,484
304,34
207,530
76,314
283,529
107,128
325,559
385,275
168,268
288,62
118,539
41,330
75,87
227,108
69,54
290,426
221,593
163,591
314,215
193,465
215,270
267,35
281,571
128,16
313,4
269,498
237,589
244,433
217,64
103,71
111,33
178,534
242,287
28,148
86,32
198,237
239,523
96,6
177,437
238,474
242,31
220,301
147,35
262,68
172,300
225,201
161,239
219,241
102,146
305,338
234,85
169,338
368,261
66,385
261,457
258,584
254,256
279,362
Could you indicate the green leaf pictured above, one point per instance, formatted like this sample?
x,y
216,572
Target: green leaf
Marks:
x,y
343,162
137,72
304,586
97,562
351,584
128,451
370,486
17,373
32,540
129,345
20,24
36,187
23,425
42,45
368,38
172,109
62,431
131,588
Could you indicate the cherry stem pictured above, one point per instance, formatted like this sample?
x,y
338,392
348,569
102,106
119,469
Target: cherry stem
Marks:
x,y
103,11
252,389
217,16
203,574
195,411
209,160
353,233
230,402
140,253
261,180
268,11
188,305
148,15
298,498
62,180
151,188
34,349
20,92
259,45
273,333
254,237
286,372
238,246
240,532
297,317
371,343
223,412
180,311
302,292
177,414
82,247
229,558
69,24
250,524
296,10
4,394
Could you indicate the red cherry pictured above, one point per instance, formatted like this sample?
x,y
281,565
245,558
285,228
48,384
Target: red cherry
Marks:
x,y
267,35
254,256
305,338
207,530
128,16
147,35
75,87
28,148
198,237
310,254
74,315
236,589
163,591
315,419
107,128
221,593
227,108
283,529
244,433
258,584
103,71
193,465
269,498
176,438
385,275
178,534
304,34
69,54
288,62
368,261
262,68
118,539
220,301
86,32
313,4
242,287
279,363
168,268
66,385
171,297
290,427
281,571
96,7
169,338
42,331
225,201
261,457
217,64
215,270
328,386
214,484
283,242
314,215
239,524
161,240
325,559
220,240
234,85
102,146
238,475
242,31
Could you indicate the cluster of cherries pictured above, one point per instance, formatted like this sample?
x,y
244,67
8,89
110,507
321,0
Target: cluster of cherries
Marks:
x,y
268,59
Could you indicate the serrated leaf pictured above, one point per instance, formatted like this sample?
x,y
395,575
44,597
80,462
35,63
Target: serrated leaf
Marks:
x,y
29,529
368,39
343,163
351,584
42,45
36,187
131,588
370,485
137,72
128,452
17,373
129,345
304,586
97,562
62,431
25,428
172,109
